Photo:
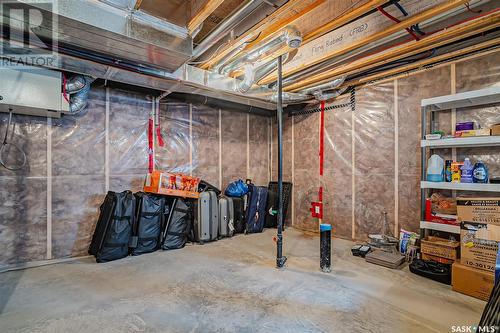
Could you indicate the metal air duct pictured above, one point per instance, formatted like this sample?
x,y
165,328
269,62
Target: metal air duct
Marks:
x,y
290,37
253,75
335,83
322,96
226,26
289,97
78,87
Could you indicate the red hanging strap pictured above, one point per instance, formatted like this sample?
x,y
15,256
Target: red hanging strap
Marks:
x,y
317,207
395,19
161,143
322,138
150,145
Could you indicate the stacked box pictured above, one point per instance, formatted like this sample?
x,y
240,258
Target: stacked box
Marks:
x,y
479,238
439,249
472,282
479,245
479,210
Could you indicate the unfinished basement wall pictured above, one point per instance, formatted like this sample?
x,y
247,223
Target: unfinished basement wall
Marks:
x,y
372,155
49,209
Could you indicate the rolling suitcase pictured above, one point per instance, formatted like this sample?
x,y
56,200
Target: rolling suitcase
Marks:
x,y
147,224
114,227
226,217
256,210
239,215
177,226
273,203
206,223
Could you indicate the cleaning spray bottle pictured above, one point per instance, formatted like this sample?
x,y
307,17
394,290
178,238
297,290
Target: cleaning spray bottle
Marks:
x,y
480,173
467,170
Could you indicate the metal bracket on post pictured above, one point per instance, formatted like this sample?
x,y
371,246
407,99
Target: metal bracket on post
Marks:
x,y
280,259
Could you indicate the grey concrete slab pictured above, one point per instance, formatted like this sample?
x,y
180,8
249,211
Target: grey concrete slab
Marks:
x,y
230,286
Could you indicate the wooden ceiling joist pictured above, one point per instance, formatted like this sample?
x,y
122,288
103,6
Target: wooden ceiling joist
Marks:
x,y
425,15
423,63
208,8
282,17
138,4
441,38
343,19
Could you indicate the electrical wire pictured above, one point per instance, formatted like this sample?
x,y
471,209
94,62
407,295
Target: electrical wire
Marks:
x,y
216,53
414,27
395,19
6,146
467,5
394,64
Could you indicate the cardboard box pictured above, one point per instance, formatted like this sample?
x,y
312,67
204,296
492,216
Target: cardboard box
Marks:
x,y
479,209
479,245
440,247
476,132
495,129
472,282
172,184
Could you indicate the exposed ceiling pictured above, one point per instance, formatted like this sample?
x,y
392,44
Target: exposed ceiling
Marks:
x,y
190,42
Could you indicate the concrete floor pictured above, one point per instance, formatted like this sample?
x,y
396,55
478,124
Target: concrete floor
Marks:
x,y
230,286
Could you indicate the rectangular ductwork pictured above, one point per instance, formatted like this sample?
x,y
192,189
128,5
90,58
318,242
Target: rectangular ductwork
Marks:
x,y
122,34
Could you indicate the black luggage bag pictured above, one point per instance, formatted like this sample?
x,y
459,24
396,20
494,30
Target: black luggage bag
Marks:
x,y
178,225
114,227
148,222
239,215
273,203
256,210
432,270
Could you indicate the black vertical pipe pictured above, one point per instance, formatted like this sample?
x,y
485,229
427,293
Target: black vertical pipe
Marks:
x,y
280,259
325,247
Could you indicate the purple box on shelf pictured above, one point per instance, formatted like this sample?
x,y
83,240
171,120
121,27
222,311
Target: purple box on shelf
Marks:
x,y
465,126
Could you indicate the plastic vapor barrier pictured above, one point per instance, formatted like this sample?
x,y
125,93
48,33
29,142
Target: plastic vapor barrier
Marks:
x,y
372,155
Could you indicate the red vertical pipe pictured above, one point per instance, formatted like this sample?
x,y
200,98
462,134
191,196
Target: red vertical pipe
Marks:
x,y
322,138
321,156
150,145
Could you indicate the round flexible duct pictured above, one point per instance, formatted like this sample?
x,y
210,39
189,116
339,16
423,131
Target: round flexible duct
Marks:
x,y
322,96
75,84
289,97
335,83
78,87
289,37
253,75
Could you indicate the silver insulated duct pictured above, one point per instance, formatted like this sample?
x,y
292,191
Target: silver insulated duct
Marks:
x,y
325,86
253,75
288,37
289,97
78,87
323,96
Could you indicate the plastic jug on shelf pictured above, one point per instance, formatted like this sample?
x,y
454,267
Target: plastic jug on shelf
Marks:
x,y
480,173
467,170
435,169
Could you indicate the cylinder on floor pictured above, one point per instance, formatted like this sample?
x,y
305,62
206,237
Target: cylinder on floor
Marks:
x,y
325,247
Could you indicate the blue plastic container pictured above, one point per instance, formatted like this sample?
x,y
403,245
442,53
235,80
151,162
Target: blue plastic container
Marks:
x,y
480,173
467,171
